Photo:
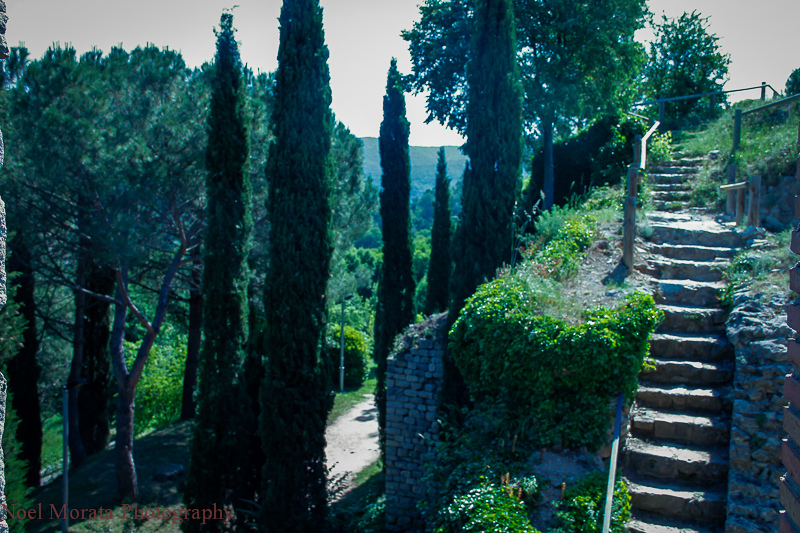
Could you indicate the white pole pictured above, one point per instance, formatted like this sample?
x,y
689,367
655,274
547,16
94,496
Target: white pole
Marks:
x,y
341,359
612,467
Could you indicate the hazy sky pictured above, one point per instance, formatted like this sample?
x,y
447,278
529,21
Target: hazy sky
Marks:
x,y
363,36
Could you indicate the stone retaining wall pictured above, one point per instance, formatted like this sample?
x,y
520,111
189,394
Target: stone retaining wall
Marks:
x,y
758,332
413,378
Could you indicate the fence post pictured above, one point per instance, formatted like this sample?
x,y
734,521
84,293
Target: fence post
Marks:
x,y
637,151
629,221
739,206
763,91
712,102
730,204
755,201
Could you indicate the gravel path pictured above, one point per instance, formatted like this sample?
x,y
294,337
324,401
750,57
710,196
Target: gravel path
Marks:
x,y
352,441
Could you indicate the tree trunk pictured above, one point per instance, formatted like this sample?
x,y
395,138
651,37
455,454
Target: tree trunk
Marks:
x,y
94,396
23,369
193,343
76,450
127,483
549,172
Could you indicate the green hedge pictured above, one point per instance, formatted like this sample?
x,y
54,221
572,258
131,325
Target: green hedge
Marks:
x,y
356,352
487,507
550,381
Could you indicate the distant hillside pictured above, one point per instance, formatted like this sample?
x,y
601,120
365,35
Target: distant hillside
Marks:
x,y
423,165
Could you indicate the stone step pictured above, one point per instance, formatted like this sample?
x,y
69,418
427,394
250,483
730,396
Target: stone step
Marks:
x,y
704,466
687,269
674,177
697,347
694,232
670,196
698,428
692,253
667,500
688,292
682,186
644,522
704,430
671,205
678,397
690,372
692,319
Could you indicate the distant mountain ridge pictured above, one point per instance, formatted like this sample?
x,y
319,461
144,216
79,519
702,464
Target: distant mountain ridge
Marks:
x,y
423,164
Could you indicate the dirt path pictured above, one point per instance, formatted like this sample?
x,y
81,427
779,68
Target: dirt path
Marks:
x,y
353,441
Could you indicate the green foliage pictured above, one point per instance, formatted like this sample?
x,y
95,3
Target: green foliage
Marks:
x,y
16,490
395,309
550,381
761,271
563,236
685,59
438,284
225,278
356,354
793,83
295,396
595,156
483,239
574,59
484,508
158,394
583,506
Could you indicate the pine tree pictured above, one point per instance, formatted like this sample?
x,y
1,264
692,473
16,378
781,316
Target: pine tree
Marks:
x,y
296,395
225,279
438,296
395,308
483,238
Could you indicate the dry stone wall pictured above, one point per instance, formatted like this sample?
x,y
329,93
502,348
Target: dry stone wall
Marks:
x,y
413,378
758,332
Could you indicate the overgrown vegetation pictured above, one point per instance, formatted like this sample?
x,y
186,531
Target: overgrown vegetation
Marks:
x,y
768,148
583,505
762,271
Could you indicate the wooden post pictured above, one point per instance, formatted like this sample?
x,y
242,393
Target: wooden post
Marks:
x,y
753,214
712,102
763,91
739,206
629,219
730,205
637,151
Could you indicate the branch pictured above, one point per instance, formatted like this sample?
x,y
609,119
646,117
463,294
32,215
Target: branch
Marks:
x,y
127,302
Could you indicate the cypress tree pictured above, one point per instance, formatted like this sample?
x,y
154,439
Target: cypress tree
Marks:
x,y
483,239
296,395
225,279
395,308
438,295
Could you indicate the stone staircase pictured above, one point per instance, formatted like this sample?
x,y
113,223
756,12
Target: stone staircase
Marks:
x,y
676,455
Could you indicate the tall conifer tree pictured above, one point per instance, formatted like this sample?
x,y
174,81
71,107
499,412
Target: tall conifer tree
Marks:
x,y
396,290
483,238
296,395
225,278
438,295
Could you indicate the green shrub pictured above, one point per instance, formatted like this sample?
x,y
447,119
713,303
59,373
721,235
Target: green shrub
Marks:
x,y
159,392
563,235
583,506
659,147
356,352
487,507
17,491
550,381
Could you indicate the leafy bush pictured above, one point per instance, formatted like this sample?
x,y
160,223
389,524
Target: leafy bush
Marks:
x,y
487,507
583,506
550,381
659,146
356,351
159,392
563,235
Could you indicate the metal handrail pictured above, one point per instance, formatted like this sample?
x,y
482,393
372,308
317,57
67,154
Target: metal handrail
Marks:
x,y
772,104
700,95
